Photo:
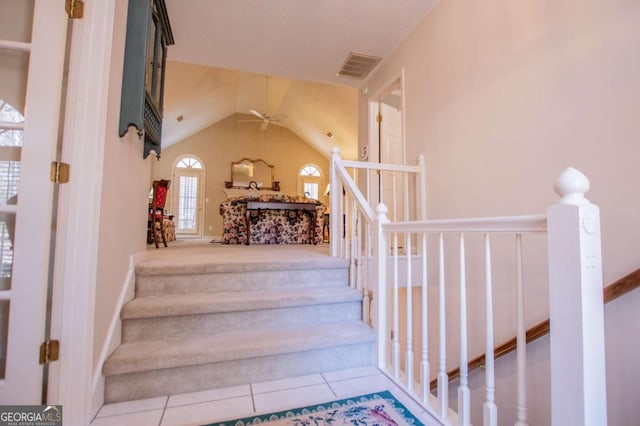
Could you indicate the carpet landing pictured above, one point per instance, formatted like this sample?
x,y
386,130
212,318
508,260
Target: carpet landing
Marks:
x,y
376,409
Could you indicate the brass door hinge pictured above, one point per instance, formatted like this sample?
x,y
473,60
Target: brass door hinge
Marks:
x,y
74,8
49,351
379,118
59,172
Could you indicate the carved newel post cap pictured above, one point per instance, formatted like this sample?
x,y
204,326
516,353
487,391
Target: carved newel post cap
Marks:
x,y
381,211
571,186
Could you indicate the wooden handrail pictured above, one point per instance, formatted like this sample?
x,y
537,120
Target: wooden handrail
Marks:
x,y
621,287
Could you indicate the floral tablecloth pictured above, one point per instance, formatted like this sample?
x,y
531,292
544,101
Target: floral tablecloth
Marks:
x,y
270,226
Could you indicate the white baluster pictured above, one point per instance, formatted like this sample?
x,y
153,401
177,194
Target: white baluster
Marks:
x,y
358,248
334,200
396,311
578,380
381,323
342,214
464,401
422,188
353,258
345,231
443,378
425,374
366,301
521,339
490,410
409,287
395,192
405,195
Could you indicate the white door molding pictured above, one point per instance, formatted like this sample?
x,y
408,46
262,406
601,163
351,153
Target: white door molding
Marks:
x,y
79,213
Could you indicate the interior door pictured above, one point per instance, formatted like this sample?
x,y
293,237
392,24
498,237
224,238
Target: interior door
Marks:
x,y
32,51
391,149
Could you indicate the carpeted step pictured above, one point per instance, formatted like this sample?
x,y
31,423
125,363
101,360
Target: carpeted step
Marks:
x,y
193,314
156,277
164,367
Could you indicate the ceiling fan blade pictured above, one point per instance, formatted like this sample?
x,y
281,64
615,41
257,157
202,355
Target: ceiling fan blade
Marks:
x,y
256,113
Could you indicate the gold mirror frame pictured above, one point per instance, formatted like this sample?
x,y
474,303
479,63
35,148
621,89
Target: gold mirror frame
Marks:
x,y
247,171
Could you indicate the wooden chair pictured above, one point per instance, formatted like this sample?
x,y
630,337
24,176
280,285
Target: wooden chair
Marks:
x,y
156,209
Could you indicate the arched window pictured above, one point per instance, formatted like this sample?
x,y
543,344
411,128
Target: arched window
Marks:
x,y
310,170
189,163
310,181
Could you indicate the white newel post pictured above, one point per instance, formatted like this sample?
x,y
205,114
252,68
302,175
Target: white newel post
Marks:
x,y
578,382
381,250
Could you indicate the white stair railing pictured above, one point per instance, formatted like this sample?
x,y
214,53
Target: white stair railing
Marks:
x,y
356,188
572,233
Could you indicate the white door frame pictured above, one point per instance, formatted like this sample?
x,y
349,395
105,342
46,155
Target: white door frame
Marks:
x,y
70,379
373,149
374,100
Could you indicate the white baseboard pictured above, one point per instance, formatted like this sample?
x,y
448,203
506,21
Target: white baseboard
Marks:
x,y
114,334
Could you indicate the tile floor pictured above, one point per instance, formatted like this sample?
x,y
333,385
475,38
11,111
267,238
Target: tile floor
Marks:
x,y
246,400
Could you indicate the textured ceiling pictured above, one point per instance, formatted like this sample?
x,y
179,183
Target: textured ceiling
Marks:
x,y
224,49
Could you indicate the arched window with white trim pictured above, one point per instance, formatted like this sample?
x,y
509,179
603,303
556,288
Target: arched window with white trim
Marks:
x,y
310,181
189,163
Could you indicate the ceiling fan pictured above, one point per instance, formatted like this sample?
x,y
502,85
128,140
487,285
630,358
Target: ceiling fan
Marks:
x,y
264,118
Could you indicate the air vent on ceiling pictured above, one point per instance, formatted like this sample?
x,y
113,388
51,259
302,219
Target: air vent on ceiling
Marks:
x,y
358,65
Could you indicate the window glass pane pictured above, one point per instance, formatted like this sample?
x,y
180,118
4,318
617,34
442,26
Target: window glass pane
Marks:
x,y
149,64
311,190
7,227
189,163
10,143
16,25
157,66
310,171
9,181
10,137
187,202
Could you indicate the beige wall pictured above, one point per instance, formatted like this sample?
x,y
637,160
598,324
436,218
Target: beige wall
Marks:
x,y
124,189
501,96
231,140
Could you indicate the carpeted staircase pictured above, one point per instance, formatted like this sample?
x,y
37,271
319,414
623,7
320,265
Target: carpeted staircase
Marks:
x,y
195,326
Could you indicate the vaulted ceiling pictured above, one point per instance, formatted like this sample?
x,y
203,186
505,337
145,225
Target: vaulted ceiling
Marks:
x,y
278,57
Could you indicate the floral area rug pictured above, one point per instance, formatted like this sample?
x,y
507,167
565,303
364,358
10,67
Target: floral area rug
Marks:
x,y
376,409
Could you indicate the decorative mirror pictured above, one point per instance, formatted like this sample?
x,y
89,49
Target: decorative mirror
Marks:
x,y
248,171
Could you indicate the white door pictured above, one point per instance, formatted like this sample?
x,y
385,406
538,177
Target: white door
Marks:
x,y
188,210
188,193
32,50
391,147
